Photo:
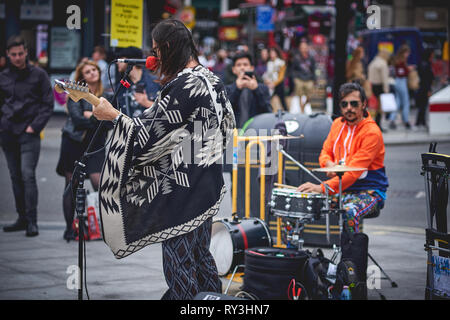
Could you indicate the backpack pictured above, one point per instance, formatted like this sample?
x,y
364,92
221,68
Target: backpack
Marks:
x,y
317,276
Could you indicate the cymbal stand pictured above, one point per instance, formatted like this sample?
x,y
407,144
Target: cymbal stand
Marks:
x,y
340,211
287,155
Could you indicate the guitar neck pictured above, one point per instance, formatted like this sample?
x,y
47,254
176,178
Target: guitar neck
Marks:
x,y
92,99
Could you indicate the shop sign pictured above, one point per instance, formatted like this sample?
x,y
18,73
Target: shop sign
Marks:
x,y
264,18
36,10
187,16
228,33
65,48
126,23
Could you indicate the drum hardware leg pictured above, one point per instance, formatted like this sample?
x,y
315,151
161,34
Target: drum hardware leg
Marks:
x,y
336,253
232,276
393,283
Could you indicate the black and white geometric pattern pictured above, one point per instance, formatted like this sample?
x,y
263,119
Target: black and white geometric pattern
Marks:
x,y
148,191
189,267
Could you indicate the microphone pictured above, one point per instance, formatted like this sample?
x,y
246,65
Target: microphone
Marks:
x,y
150,63
132,61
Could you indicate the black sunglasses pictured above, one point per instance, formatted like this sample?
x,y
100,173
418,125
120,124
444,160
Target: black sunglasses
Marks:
x,y
353,104
153,51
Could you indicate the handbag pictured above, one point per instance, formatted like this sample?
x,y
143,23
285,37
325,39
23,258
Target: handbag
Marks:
x,y
388,103
413,80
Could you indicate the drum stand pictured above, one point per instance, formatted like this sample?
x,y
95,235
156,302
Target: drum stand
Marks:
x,y
327,189
337,251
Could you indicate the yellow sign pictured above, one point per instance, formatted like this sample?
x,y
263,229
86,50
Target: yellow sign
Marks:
x,y
126,23
389,46
445,51
187,16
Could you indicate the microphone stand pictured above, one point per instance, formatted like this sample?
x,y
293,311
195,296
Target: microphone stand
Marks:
x,y
79,176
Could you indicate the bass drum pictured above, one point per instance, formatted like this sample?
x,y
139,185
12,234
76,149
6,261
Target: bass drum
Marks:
x,y
230,239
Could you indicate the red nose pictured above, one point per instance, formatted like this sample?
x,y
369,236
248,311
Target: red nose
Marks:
x,y
151,63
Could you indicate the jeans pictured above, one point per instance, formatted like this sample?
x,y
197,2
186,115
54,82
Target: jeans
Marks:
x,y
22,155
402,99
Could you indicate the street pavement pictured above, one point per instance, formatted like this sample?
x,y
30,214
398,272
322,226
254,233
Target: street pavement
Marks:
x,y
42,267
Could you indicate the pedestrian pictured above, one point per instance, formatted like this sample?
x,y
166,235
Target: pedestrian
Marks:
x,y
77,133
275,75
426,80
26,105
303,72
143,89
261,63
378,76
354,70
2,61
99,57
248,96
401,86
163,196
221,63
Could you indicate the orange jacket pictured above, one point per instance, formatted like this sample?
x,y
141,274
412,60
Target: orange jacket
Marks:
x,y
359,146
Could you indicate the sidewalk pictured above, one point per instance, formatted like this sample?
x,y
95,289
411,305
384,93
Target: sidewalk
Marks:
x,y
401,136
40,268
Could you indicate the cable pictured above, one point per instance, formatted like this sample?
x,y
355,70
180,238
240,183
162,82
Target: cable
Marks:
x,y
296,294
246,294
85,281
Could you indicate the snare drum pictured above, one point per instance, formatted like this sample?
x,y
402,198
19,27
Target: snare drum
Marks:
x,y
230,239
295,204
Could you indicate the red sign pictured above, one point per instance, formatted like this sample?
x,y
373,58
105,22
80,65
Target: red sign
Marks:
x,y
256,1
229,33
318,39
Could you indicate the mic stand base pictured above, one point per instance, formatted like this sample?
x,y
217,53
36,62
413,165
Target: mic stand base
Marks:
x,y
80,208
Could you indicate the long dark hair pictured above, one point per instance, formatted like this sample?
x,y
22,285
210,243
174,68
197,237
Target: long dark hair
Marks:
x,y
176,48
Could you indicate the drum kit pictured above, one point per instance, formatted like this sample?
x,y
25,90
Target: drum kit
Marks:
x,y
231,237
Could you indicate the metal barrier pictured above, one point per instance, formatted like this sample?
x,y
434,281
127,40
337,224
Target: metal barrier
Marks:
x,y
259,141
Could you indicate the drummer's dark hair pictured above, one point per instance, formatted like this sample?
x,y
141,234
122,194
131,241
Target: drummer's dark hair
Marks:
x,y
350,87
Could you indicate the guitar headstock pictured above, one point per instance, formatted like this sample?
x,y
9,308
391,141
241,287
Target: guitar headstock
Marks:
x,y
75,90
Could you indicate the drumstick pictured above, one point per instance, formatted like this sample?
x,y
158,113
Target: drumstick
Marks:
x,y
285,186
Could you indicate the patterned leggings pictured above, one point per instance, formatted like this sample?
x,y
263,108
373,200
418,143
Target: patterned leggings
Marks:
x,y
357,205
188,265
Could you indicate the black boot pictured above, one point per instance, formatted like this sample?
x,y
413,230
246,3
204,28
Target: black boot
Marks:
x,y
69,234
32,230
19,225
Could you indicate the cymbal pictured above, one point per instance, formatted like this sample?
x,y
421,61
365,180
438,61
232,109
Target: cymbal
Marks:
x,y
339,168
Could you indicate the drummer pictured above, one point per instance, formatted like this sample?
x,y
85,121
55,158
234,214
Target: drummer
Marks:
x,y
356,141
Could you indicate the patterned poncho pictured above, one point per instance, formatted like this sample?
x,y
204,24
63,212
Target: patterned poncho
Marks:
x,y
162,176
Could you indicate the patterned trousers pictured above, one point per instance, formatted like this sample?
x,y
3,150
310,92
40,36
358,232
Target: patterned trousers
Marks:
x,y
188,265
357,205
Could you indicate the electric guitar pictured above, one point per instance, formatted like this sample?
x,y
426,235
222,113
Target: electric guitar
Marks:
x,y
76,91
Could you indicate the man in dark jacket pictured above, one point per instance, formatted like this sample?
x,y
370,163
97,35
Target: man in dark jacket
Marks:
x,y
26,104
248,96
426,80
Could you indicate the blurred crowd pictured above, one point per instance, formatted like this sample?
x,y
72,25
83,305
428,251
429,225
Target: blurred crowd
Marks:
x,y
252,81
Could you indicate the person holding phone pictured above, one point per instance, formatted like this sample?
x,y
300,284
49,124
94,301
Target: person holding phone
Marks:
x,y
248,96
